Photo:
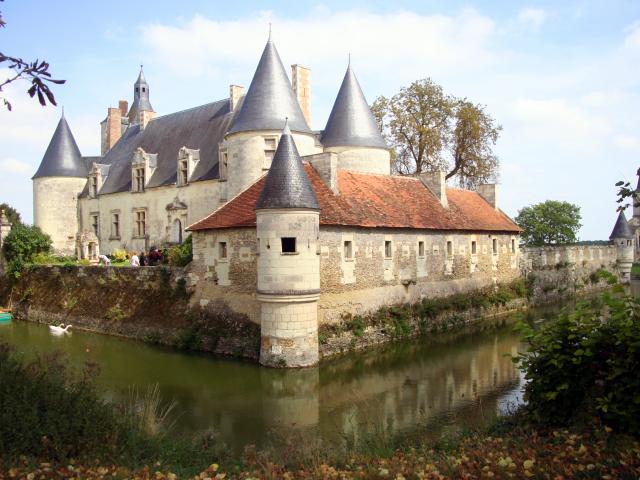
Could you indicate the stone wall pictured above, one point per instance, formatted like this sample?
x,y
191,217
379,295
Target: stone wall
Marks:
x,y
162,206
556,272
363,159
422,263
54,209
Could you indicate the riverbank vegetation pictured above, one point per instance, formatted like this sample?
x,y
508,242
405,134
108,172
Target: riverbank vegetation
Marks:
x,y
580,421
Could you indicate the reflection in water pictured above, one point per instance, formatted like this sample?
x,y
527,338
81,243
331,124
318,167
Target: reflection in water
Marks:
x,y
395,389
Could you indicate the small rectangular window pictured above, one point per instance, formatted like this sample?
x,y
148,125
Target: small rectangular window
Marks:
x,y
184,172
474,247
513,246
94,186
288,244
421,249
495,245
115,222
141,227
222,249
387,248
348,249
450,248
139,176
269,151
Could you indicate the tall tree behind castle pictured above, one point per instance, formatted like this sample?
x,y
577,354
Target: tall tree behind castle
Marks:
x,y
430,130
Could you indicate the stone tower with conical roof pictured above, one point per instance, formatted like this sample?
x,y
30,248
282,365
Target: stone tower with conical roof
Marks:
x,y
60,178
623,238
141,111
288,270
352,132
252,140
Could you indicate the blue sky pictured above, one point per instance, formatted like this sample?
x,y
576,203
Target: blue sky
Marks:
x,y
562,78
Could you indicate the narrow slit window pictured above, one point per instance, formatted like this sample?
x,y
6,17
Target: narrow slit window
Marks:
x,y
94,186
288,244
94,224
513,246
387,248
450,248
116,225
495,245
474,247
348,249
421,249
222,249
184,172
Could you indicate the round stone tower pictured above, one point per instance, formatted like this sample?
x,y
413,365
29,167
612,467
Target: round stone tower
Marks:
x,y
287,222
252,139
623,238
60,178
352,132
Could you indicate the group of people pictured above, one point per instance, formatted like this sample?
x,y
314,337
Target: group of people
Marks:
x,y
154,258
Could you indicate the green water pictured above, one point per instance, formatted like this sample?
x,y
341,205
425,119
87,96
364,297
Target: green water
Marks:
x,y
436,384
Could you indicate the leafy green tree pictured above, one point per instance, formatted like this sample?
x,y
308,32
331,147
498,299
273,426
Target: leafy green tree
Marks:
x,y
550,222
429,130
22,244
12,214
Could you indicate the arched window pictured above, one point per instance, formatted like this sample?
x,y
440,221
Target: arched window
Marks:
x,y
177,231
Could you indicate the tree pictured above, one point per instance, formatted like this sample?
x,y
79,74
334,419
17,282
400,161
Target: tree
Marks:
x,y
22,243
12,214
429,130
37,72
550,222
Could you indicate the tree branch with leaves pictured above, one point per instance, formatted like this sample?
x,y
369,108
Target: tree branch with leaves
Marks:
x,y
36,72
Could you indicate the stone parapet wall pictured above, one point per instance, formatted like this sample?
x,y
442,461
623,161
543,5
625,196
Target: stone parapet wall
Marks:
x,y
584,256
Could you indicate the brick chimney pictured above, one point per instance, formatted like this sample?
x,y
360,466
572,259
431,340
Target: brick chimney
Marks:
x,y
301,80
436,182
145,117
113,128
123,105
489,191
235,93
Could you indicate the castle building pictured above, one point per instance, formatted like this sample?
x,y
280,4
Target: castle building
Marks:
x,y
290,226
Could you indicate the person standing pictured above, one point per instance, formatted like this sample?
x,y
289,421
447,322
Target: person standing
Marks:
x,y
135,261
143,259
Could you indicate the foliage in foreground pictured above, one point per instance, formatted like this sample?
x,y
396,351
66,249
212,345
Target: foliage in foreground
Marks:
x,y
22,244
550,222
586,361
49,413
181,255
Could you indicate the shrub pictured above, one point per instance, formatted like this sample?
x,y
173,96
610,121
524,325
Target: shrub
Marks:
x,y
181,255
119,255
586,361
22,243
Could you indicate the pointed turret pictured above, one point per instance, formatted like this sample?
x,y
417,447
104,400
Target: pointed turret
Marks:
x,y
351,122
62,158
621,229
287,184
141,101
270,98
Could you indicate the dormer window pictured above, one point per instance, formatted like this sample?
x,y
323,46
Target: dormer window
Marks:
x,y
270,145
142,167
188,158
97,176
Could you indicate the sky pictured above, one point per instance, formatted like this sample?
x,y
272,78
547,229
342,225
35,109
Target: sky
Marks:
x,y
562,78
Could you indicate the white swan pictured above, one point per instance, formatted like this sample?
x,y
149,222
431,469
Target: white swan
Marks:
x,y
60,329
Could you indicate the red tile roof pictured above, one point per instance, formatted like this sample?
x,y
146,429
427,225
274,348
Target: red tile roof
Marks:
x,y
375,201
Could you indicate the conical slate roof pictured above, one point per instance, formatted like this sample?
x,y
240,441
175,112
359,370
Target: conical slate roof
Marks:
x,y
351,122
270,98
621,228
62,158
140,98
287,184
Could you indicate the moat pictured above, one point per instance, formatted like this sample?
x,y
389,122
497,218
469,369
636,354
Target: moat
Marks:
x,y
436,385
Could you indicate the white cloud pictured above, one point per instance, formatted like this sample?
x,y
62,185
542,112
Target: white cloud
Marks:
x,y
376,41
12,165
627,142
531,18
560,122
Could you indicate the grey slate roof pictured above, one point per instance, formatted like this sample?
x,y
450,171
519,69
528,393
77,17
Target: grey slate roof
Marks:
x,y
200,128
351,122
140,98
621,228
287,184
62,158
270,98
